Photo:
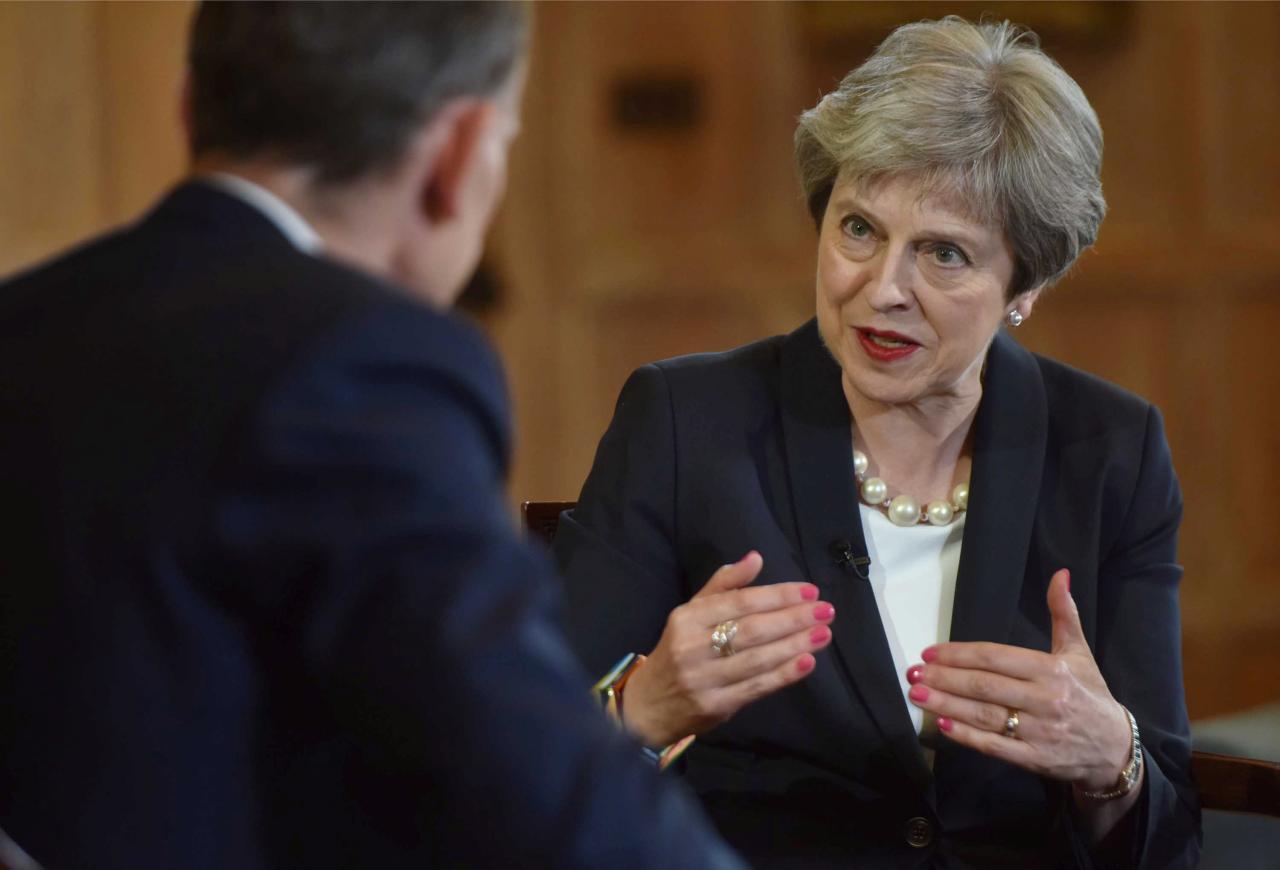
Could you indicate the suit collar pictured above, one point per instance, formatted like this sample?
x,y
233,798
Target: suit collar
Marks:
x,y
1009,440
1008,455
285,217
216,213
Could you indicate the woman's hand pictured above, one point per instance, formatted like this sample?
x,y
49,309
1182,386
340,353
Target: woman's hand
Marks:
x,y
1069,727
687,687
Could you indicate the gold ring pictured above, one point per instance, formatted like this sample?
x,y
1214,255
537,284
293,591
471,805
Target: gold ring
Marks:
x,y
722,637
1011,724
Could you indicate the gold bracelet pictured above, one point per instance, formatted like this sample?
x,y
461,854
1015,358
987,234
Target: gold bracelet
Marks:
x,y
1132,771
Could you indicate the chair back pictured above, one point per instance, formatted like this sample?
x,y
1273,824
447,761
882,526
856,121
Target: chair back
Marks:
x,y
542,518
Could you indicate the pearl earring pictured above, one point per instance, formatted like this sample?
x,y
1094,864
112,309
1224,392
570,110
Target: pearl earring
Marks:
x,y
1015,318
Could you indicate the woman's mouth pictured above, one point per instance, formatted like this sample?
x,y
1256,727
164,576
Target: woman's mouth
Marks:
x,y
885,346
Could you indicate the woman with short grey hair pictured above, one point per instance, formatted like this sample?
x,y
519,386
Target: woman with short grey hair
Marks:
x,y
985,538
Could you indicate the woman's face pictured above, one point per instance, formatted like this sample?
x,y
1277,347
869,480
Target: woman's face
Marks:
x,y
910,291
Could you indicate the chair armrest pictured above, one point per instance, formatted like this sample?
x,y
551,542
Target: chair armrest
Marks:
x,y
1237,785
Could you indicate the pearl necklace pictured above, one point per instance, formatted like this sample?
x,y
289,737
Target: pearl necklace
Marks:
x,y
903,510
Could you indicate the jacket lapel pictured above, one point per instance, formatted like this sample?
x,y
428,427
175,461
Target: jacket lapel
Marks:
x,y
819,456
1009,441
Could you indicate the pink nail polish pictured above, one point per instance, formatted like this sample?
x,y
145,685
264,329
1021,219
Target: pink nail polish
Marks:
x,y
918,693
914,674
824,612
945,724
820,634
805,663
929,654
809,592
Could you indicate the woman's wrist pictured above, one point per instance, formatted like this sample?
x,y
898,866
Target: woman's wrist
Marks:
x,y
628,710
634,715
609,689
1119,779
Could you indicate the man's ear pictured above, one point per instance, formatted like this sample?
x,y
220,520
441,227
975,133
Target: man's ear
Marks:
x,y
460,130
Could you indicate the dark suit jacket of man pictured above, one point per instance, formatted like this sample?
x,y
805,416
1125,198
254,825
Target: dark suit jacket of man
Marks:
x,y
712,455
262,604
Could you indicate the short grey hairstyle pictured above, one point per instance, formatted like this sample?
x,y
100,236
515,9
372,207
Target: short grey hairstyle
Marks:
x,y
982,116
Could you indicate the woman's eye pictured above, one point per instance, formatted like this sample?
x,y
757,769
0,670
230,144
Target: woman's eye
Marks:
x,y
857,227
948,255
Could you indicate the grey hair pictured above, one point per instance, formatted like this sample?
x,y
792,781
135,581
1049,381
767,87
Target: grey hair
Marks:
x,y
981,116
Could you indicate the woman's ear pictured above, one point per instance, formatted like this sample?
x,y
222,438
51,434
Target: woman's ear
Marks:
x,y
459,136
1027,301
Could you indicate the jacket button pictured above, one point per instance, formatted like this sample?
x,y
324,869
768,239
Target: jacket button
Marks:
x,y
919,832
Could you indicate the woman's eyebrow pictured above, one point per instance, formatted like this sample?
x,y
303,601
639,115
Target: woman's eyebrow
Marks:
x,y
848,203
954,235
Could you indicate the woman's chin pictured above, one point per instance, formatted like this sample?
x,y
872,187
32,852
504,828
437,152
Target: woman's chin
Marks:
x,y
883,388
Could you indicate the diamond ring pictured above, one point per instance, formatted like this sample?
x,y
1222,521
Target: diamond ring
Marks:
x,y
722,637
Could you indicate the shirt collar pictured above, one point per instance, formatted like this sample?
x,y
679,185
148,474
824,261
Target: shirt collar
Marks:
x,y
286,219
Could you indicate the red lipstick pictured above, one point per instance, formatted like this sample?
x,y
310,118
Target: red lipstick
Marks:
x,y
885,346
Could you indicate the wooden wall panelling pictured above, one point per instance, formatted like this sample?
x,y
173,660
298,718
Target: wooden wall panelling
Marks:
x,y
1140,90
88,118
51,184
661,239
142,50
1239,92
1231,549
1195,414
527,259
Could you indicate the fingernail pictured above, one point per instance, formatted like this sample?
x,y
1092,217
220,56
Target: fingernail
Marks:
x,y
809,592
824,612
805,663
918,693
1068,582
913,674
820,634
945,724
929,654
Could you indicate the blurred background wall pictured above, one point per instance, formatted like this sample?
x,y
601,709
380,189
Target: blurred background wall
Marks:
x,y
653,212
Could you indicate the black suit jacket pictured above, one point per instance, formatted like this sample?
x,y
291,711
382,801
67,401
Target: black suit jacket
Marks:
x,y
709,456
261,601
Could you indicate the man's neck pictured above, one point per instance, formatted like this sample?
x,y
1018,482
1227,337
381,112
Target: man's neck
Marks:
x,y
347,221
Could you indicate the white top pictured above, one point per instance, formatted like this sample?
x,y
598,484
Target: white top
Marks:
x,y
913,574
294,226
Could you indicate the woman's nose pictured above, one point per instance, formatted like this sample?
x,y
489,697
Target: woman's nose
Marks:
x,y
892,281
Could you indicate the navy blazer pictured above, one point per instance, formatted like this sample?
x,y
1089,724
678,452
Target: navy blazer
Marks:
x,y
712,455
262,603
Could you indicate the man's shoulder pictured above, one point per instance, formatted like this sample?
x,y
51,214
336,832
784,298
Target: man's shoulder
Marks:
x,y
201,322
226,293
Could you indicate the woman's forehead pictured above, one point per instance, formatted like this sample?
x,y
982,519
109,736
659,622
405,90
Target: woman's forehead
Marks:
x,y
940,193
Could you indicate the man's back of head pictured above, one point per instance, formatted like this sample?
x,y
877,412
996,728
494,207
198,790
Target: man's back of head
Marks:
x,y
386,126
